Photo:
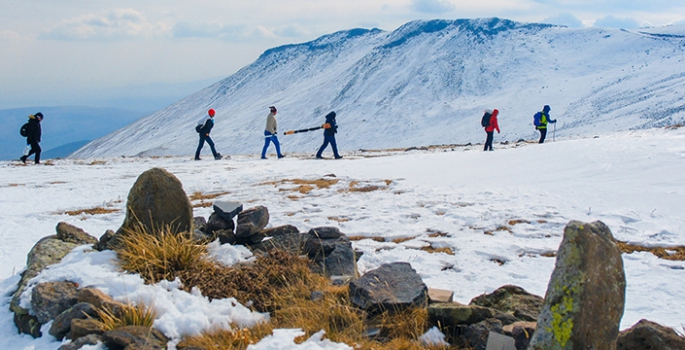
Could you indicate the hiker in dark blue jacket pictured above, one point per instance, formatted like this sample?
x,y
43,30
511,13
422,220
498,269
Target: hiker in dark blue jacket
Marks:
x,y
204,127
330,128
33,135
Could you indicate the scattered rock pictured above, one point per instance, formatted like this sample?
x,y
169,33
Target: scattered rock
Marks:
x,y
62,323
649,335
475,336
440,295
90,339
104,240
218,223
135,337
50,299
586,293
227,210
512,299
521,332
72,234
100,300
455,314
250,224
392,287
287,238
83,327
331,251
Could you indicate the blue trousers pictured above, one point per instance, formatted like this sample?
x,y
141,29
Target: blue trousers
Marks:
x,y
268,138
326,140
204,138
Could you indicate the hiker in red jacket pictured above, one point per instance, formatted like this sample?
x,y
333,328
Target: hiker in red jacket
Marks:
x,y
490,129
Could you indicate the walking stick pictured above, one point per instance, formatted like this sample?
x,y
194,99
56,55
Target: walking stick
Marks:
x,y
324,126
554,133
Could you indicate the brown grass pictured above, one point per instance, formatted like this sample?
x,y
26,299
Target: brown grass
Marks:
x,y
359,238
238,338
130,315
202,197
446,250
91,211
402,239
499,228
338,219
303,186
660,252
438,234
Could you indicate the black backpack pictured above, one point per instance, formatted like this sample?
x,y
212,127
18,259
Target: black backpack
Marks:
x,y
24,130
485,121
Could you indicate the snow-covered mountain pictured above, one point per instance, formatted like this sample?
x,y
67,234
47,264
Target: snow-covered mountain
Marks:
x,y
390,89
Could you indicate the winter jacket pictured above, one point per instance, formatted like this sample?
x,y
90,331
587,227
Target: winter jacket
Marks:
x,y
493,123
544,120
333,126
207,125
33,130
271,124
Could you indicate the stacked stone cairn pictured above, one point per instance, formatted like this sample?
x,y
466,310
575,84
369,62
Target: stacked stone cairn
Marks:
x,y
581,310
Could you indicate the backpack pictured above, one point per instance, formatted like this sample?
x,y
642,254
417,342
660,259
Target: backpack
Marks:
x,y
198,128
485,121
24,130
537,119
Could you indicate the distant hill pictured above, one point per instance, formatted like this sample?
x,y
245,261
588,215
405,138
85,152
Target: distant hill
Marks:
x,y
61,127
427,83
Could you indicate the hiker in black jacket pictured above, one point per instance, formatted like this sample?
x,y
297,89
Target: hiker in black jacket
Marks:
x,y
330,128
33,135
204,127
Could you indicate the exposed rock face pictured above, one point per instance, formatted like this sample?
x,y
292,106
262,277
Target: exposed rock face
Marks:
x,y
455,314
391,287
586,294
156,201
90,339
513,299
287,238
649,335
62,323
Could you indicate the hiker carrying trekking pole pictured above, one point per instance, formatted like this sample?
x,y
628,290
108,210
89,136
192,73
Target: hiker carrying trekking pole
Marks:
x,y
541,119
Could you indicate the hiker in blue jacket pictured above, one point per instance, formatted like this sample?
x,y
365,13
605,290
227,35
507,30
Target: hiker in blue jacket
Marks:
x,y
33,135
204,127
330,129
540,120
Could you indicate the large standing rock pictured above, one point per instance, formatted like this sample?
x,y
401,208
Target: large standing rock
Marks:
x,y
156,201
586,294
391,287
512,299
649,335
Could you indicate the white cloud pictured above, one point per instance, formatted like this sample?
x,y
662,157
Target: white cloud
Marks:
x,y
9,34
208,30
111,25
432,6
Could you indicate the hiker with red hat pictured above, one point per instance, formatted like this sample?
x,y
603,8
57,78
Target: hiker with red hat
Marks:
x,y
204,126
490,128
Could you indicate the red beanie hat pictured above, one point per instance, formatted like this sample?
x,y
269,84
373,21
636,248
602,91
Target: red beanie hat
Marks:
x,y
211,112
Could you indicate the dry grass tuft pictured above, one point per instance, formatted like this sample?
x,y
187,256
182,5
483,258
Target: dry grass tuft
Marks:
x,y
678,253
202,197
97,162
402,239
239,338
91,211
516,222
303,186
130,315
159,257
446,250
359,238
338,219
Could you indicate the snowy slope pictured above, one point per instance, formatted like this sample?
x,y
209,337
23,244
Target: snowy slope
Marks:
x,y
524,194
427,83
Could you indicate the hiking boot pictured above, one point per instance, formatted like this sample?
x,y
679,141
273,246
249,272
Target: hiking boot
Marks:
x,y
23,159
218,156
263,158
319,157
281,156
198,159
338,157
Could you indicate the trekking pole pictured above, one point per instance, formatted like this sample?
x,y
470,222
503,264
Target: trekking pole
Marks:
x,y
290,132
554,133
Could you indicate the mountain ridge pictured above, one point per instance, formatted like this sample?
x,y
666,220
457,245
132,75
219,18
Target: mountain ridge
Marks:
x,y
427,82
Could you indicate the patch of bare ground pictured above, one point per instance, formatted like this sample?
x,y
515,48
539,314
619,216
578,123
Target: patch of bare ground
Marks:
x,y
90,211
373,238
205,198
302,186
432,250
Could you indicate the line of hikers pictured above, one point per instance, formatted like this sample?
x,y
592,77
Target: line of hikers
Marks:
x,y
489,122
32,131
205,125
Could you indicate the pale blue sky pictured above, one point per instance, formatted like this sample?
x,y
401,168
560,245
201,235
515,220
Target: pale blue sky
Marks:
x,y
108,53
